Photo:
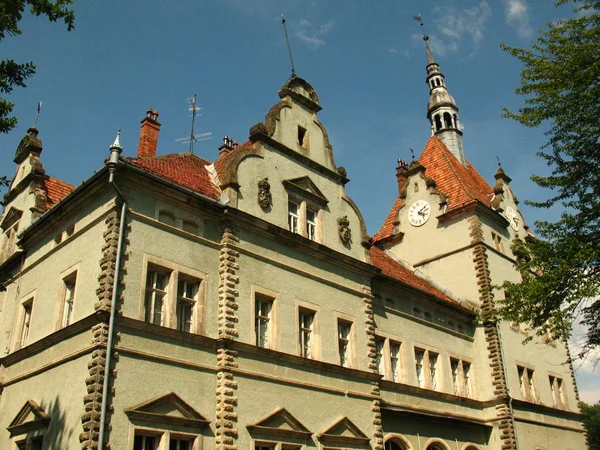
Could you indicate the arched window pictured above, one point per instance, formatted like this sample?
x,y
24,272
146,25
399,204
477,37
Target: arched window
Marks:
x,y
438,122
447,120
436,445
396,443
190,227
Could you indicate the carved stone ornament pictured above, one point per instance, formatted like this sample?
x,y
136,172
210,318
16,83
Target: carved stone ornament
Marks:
x,y
342,171
344,229
265,199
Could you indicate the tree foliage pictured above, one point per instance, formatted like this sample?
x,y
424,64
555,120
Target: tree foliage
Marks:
x,y
13,74
591,421
561,271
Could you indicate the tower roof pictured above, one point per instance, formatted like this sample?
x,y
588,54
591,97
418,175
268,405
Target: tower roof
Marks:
x,y
462,185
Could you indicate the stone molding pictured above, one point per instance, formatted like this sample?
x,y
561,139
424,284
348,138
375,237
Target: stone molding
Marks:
x,y
370,326
92,402
492,335
226,432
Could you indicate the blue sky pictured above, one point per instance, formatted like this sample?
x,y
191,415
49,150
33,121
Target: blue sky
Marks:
x,y
366,61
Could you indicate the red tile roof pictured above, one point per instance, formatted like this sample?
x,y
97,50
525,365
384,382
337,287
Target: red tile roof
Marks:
x,y
56,190
393,269
185,169
463,185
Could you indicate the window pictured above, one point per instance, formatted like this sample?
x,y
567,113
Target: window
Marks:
x,y
311,224
156,291
26,322
433,359
173,297
344,342
187,290
526,383
426,369
497,241
180,444
293,218
69,298
10,226
379,357
262,317
144,442
461,377
33,443
395,361
558,394
302,137
306,320
419,369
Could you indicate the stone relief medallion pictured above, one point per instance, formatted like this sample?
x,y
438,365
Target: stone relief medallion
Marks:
x,y
265,199
344,229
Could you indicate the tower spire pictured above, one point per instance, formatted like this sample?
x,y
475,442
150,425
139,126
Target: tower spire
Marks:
x,y
442,110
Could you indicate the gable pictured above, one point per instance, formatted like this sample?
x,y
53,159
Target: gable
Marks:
x,y
30,417
167,409
280,423
12,216
305,187
343,432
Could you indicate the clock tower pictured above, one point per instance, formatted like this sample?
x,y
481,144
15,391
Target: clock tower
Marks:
x,y
449,224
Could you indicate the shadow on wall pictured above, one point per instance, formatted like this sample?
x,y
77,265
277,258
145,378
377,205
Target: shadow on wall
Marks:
x,y
59,431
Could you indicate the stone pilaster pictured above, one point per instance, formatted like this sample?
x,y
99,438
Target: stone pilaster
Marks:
x,y
492,336
226,432
92,402
372,355
108,262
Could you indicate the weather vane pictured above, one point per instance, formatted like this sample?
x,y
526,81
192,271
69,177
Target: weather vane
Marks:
x,y
194,108
499,163
412,153
37,116
287,40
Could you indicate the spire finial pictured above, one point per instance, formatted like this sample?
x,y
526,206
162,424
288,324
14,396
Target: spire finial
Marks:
x,y
117,144
287,40
430,59
412,154
37,116
499,163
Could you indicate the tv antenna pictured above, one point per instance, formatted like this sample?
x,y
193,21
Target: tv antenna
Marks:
x,y
287,40
194,108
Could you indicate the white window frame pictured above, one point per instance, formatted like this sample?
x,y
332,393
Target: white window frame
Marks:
x,y
306,332
310,229
24,323
346,343
527,382
65,306
461,376
174,273
389,362
427,371
163,437
315,344
259,293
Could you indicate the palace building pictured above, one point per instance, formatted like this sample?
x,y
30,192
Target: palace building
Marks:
x,y
172,303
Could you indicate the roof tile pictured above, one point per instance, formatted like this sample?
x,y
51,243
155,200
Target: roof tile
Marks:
x,y
185,169
462,185
56,190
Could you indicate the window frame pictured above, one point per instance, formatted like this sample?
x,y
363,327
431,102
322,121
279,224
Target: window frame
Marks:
x,y
163,437
462,381
258,292
388,358
527,383
349,361
304,206
431,373
557,389
174,273
23,324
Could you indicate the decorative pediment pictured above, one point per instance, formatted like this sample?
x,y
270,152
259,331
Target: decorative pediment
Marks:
x,y
10,218
30,417
342,433
281,424
306,188
167,409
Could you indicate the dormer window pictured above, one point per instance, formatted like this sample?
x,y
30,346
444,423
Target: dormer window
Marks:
x,y
305,205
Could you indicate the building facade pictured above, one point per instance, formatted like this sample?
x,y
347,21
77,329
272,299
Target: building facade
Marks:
x,y
171,303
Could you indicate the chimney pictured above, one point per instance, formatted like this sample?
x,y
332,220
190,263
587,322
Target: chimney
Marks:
x,y
149,135
228,145
400,171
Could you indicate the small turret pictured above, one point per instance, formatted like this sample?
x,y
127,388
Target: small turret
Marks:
x,y
442,111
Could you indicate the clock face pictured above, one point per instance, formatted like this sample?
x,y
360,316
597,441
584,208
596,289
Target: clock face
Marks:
x,y
419,213
513,218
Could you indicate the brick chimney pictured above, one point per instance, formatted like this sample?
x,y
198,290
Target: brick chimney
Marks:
x,y
149,135
400,174
228,145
